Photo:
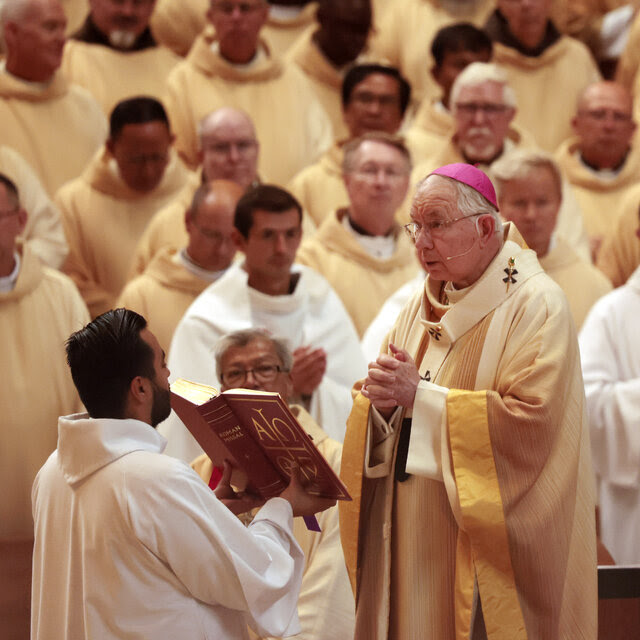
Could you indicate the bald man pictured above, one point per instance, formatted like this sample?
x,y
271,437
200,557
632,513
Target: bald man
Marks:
x,y
175,278
228,150
54,125
601,161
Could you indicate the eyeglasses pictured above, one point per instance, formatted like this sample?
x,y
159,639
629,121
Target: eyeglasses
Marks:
x,y
599,115
435,228
213,235
371,172
243,147
367,98
228,8
489,109
262,373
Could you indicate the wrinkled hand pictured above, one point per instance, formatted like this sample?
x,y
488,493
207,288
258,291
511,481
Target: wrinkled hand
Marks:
x,y
392,381
309,366
303,503
237,502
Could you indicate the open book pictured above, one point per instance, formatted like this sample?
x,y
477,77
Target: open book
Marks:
x,y
258,434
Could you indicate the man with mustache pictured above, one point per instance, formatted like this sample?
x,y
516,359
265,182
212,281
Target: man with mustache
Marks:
x,y
484,106
114,54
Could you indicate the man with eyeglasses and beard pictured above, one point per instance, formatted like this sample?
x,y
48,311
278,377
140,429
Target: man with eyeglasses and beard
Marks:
x,y
131,541
467,450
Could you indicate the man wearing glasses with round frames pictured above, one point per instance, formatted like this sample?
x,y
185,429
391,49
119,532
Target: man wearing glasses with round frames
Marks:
x,y
230,65
254,359
468,443
601,161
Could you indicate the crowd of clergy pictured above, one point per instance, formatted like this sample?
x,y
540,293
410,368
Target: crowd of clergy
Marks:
x,y
248,165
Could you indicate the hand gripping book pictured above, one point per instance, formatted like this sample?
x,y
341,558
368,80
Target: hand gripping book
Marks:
x,y
258,434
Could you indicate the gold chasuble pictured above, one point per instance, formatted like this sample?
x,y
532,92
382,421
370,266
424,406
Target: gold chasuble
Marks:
x,y
490,532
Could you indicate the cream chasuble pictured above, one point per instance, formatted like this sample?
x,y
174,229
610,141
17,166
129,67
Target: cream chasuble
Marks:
x,y
499,506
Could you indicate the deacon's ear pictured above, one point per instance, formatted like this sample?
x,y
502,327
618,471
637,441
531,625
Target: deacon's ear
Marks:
x,y
139,389
239,241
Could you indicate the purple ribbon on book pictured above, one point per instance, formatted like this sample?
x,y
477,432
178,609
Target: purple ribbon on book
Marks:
x,y
312,523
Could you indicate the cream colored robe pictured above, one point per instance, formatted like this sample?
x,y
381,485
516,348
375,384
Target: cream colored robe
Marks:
x,y
111,76
325,606
177,23
582,283
499,503
599,198
569,226
166,229
406,30
363,282
43,232
324,77
56,130
76,12
430,129
619,254
162,294
36,318
547,87
103,219
291,126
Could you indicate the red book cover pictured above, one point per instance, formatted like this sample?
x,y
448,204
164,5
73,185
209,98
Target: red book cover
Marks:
x,y
257,432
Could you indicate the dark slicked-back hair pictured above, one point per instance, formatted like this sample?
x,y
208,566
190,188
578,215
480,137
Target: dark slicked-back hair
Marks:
x,y
105,356
263,197
360,72
12,190
138,110
462,36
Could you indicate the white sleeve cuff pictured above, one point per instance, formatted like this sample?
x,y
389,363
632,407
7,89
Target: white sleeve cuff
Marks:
x,y
427,426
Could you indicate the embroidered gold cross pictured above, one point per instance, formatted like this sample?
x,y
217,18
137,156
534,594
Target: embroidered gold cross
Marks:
x,y
436,333
510,271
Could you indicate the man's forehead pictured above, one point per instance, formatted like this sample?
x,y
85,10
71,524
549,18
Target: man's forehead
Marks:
x,y
436,199
607,97
488,90
256,349
379,83
377,151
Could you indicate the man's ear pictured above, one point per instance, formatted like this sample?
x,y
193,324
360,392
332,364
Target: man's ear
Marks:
x,y
109,144
22,219
239,240
486,226
511,114
139,389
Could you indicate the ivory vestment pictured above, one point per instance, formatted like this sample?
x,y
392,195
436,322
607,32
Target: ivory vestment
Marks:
x,y
111,75
325,606
581,282
177,23
167,228
131,543
325,79
362,281
569,225
290,123
547,87
103,219
56,130
36,318
162,294
311,315
599,197
500,497
43,231
406,30
619,254
609,350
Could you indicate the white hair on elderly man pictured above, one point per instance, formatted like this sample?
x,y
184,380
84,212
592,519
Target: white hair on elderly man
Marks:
x,y
478,73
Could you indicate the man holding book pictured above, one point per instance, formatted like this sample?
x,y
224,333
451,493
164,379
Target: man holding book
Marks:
x,y
131,541
252,359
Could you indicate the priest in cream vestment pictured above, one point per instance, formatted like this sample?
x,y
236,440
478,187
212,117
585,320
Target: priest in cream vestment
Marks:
x,y
54,125
473,512
106,209
229,65
529,186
